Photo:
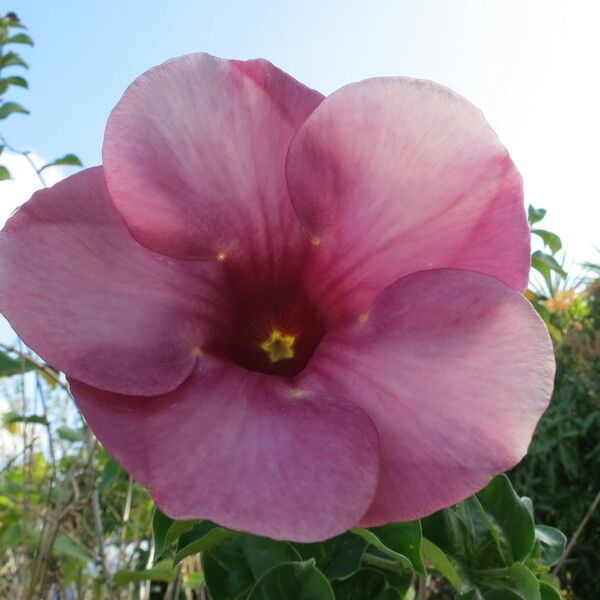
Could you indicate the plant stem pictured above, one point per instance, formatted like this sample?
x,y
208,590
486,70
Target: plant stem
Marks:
x,y
25,154
577,534
100,539
41,366
383,563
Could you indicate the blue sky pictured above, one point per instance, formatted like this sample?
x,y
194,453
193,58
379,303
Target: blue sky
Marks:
x,y
529,64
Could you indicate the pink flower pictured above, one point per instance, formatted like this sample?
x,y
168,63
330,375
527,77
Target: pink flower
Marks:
x,y
289,314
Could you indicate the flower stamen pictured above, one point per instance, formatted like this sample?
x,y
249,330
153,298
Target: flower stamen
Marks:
x,y
279,346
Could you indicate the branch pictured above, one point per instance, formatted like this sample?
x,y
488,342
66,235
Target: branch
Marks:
x,y
577,534
25,154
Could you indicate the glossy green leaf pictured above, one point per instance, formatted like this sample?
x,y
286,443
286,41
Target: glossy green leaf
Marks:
x,y
436,557
535,215
370,537
524,581
451,533
405,539
293,581
503,594
4,174
178,529
547,592
166,530
9,108
161,524
516,580
201,538
550,239
161,571
70,160
233,567
553,543
263,554
337,557
509,513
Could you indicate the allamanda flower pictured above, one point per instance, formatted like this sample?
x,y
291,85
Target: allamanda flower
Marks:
x,y
286,313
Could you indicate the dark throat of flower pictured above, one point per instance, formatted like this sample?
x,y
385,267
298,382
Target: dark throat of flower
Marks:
x,y
277,329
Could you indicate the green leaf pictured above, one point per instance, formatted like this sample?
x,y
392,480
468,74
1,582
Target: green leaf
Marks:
x,y
12,417
535,215
337,557
201,538
18,533
518,580
293,581
6,82
370,537
64,545
193,581
366,584
165,530
9,108
451,533
514,582
550,239
436,557
525,582
504,594
233,567
509,514
70,435
473,594
67,160
492,548
12,59
405,539
20,38
553,544
161,524
546,264
111,471
12,20
547,592
4,174
14,366
161,571
263,554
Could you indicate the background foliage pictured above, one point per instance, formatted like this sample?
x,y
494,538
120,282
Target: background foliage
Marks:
x,y
73,524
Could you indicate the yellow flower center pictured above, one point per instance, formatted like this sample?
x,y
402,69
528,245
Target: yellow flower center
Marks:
x,y
279,346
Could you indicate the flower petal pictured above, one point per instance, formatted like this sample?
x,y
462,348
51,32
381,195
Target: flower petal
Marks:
x,y
241,449
92,302
394,176
194,154
455,369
